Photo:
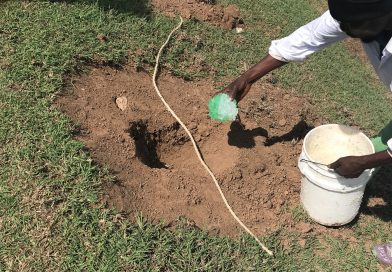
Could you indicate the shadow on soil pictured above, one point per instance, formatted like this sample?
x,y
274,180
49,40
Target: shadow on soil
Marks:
x,y
244,138
140,8
380,186
298,132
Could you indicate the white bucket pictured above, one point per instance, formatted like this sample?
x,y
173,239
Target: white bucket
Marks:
x,y
329,198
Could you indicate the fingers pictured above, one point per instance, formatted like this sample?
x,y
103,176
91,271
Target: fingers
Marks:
x,y
237,90
335,165
231,93
343,170
338,168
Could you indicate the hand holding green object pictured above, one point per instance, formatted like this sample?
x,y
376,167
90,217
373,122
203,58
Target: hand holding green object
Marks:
x,y
222,108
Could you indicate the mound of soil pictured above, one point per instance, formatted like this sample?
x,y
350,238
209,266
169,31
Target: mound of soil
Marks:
x,y
126,127
201,10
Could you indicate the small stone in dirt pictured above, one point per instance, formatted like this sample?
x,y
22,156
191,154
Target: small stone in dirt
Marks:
x,y
282,122
239,30
304,227
121,102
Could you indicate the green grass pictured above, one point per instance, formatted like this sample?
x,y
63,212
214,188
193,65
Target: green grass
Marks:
x,y
50,215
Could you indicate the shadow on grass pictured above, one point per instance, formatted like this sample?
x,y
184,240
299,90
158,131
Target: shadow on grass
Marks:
x,y
380,186
140,8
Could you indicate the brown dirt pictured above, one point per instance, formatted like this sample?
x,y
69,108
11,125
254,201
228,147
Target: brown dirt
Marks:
x,y
215,14
126,127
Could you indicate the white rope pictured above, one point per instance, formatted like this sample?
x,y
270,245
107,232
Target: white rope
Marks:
x,y
194,143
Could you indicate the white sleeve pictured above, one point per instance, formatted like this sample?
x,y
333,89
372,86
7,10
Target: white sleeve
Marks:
x,y
307,39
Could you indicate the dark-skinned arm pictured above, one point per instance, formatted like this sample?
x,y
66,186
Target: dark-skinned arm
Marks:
x,y
240,87
353,166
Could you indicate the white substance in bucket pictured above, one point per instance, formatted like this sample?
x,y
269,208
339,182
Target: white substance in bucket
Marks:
x,y
333,142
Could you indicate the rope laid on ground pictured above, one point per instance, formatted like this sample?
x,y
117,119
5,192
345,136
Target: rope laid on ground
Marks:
x,y
194,143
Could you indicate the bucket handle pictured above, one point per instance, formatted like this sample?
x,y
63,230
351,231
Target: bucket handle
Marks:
x,y
319,163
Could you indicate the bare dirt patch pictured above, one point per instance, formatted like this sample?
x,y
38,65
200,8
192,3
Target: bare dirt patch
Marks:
x,y
126,127
201,10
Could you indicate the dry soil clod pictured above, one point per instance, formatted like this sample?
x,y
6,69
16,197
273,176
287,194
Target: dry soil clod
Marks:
x,y
122,103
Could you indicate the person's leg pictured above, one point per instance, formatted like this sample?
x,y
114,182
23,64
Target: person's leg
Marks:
x,y
380,141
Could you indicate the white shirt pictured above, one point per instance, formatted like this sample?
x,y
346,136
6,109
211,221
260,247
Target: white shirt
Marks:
x,y
322,32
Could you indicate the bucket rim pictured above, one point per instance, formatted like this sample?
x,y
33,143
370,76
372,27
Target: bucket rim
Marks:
x,y
333,125
325,171
330,180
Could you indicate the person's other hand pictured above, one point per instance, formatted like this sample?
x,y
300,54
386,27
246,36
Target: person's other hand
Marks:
x,y
237,89
348,167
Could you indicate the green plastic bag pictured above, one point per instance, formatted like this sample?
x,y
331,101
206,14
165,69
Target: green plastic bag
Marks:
x,y
222,108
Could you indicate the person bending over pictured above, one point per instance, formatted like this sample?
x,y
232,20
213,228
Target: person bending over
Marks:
x,y
368,20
